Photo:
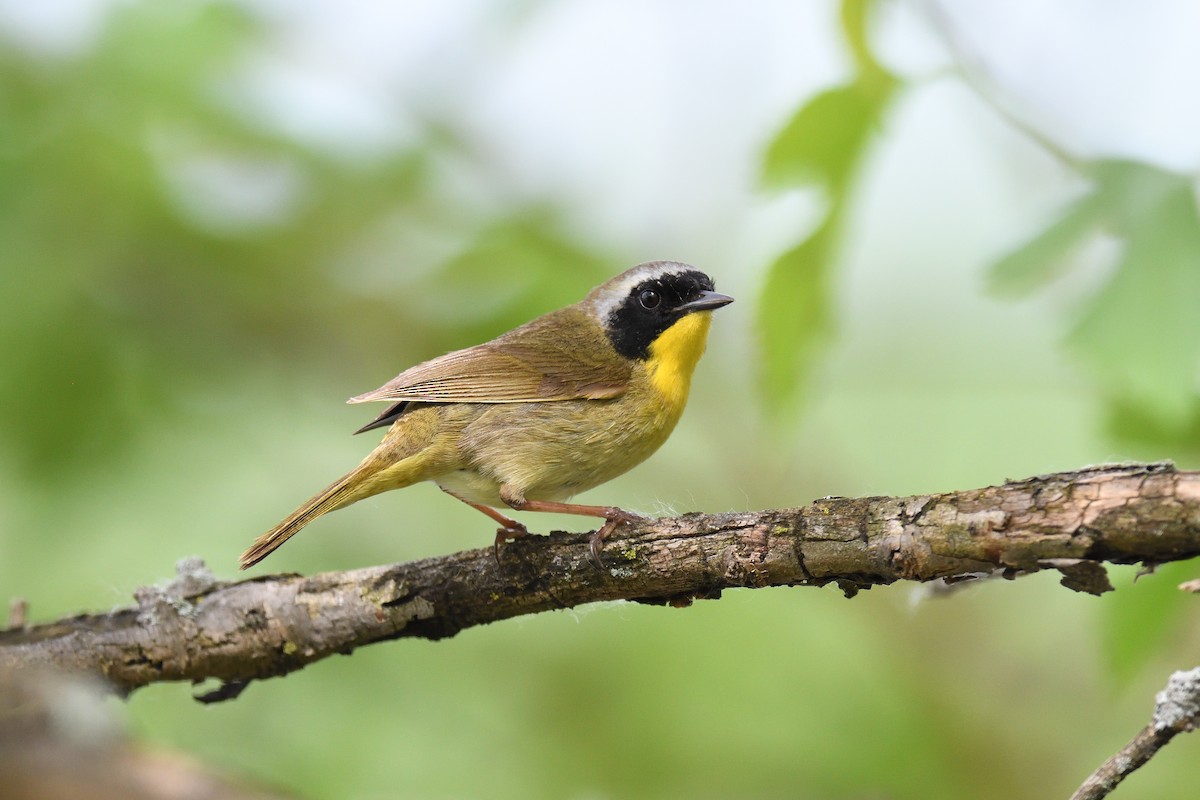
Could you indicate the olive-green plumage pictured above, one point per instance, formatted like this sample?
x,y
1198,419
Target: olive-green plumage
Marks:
x,y
552,408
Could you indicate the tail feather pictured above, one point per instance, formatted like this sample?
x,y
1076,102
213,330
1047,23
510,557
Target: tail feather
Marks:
x,y
338,494
403,458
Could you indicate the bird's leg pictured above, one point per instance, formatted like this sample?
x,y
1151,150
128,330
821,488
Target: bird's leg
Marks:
x,y
612,516
509,528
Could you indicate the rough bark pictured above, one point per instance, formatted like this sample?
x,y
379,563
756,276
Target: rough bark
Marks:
x,y
199,628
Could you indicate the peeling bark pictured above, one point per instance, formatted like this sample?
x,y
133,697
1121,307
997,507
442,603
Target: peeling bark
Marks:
x,y
198,628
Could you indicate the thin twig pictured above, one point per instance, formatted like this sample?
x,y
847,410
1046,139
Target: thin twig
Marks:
x,y
1177,710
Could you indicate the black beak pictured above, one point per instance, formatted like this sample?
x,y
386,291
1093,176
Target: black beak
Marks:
x,y
707,301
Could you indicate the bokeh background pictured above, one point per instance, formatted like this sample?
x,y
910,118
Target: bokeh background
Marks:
x,y
964,242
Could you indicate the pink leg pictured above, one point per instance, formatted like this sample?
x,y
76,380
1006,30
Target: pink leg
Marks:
x,y
509,528
611,515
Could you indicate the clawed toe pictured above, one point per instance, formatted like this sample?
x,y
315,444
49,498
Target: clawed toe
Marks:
x,y
507,534
612,520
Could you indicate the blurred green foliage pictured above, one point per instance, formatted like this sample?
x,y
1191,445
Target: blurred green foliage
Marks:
x,y
1149,621
126,304
175,355
821,146
1139,333
162,305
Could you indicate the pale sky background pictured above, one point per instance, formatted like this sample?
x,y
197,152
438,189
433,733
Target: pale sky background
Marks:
x,y
681,93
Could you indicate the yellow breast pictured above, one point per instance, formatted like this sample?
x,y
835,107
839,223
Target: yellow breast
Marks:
x,y
673,357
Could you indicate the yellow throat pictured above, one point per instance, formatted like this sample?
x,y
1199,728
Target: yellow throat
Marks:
x,y
674,354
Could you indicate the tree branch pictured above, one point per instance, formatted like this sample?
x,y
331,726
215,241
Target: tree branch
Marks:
x,y
1176,710
198,628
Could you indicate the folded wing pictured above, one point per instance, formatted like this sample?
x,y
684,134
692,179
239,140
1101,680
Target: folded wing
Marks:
x,y
563,355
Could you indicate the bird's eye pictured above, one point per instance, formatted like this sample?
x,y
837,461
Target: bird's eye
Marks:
x,y
649,299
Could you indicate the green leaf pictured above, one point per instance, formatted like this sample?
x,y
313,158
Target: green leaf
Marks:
x,y
794,316
1044,257
855,14
822,144
1141,333
1139,621
825,139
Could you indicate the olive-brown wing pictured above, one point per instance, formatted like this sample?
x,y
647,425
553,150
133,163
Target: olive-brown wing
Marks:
x,y
563,355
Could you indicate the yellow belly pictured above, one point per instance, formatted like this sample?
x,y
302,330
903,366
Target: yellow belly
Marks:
x,y
552,451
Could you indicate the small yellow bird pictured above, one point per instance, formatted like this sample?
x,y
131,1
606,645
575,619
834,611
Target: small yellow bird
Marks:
x,y
552,408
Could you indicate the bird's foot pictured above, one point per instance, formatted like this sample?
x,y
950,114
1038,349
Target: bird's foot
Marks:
x,y
613,519
513,530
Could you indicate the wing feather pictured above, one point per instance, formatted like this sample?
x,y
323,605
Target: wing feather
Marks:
x,y
563,355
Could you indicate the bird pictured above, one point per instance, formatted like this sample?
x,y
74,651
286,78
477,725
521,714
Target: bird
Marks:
x,y
552,408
